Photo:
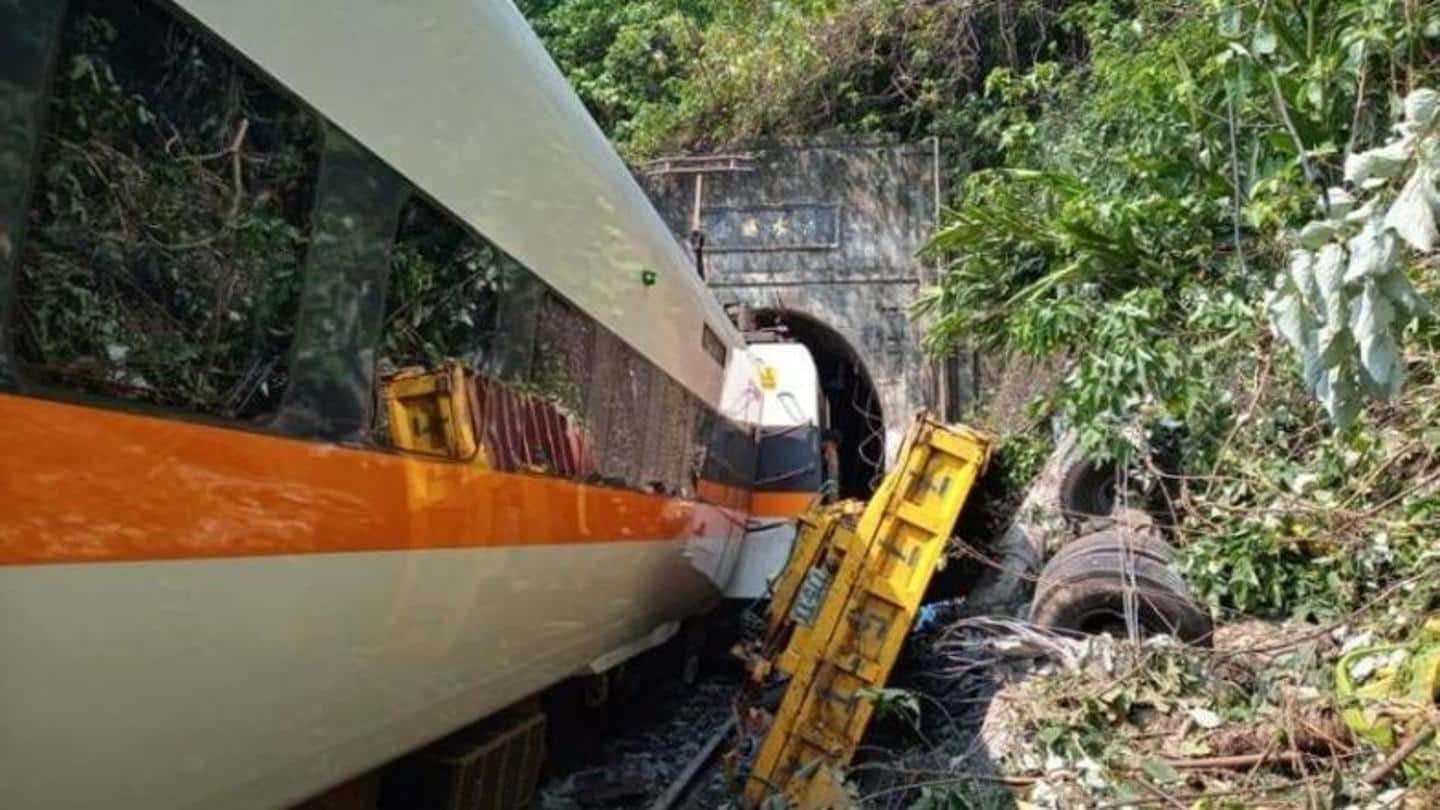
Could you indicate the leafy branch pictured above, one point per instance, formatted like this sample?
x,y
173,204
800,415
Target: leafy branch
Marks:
x,y
1344,301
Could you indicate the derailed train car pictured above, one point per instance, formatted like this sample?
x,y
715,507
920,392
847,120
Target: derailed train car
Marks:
x,y
223,582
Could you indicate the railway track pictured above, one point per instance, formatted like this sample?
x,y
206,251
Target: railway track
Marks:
x,y
704,762
659,743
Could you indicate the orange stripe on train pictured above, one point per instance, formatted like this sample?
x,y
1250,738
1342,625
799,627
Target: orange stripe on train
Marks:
x,y
82,484
780,504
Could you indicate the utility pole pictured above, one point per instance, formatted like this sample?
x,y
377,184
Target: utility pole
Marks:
x,y
698,166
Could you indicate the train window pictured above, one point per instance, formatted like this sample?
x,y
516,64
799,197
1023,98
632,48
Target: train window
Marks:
x,y
788,459
343,301
166,231
645,430
728,468
712,344
453,294
701,433
28,33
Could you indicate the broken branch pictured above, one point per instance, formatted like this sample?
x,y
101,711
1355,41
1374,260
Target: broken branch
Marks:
x,y
1399,755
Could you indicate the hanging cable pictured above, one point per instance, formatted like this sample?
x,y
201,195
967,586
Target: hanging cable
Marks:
x,y
877,432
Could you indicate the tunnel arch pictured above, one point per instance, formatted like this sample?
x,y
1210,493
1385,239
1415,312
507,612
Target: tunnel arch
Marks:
x,y
855,412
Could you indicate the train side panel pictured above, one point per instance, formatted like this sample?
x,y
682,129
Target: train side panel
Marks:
x,y
186,631
240,593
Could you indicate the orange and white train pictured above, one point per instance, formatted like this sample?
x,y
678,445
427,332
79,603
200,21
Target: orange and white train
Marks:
x,y
222,224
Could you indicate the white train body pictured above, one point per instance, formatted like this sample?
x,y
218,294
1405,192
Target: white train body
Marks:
x,y
199,612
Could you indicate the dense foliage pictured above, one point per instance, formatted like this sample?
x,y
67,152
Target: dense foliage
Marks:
x,y
1141,174
625,60
679,74
1144,196
1141,207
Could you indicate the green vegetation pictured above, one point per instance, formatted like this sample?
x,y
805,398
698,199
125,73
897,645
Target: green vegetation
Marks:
x,y
1220,217
1167,171
445,287
1140,175
1146,219
625,60
665,75
1145,201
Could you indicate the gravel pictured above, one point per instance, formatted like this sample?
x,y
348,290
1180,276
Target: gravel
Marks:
x,y
657,731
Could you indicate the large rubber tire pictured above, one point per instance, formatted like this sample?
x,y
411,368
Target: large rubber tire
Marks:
x,y
1088,488
1097,490
1118,539
1085,593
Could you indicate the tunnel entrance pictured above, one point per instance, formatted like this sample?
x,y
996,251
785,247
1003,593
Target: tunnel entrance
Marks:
x,y
853,404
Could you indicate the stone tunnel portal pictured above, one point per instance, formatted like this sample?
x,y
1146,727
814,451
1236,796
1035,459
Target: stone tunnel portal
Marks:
x,y
852,405
829,227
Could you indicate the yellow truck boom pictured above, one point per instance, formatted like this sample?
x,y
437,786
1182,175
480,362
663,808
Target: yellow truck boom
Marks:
x,y
842,607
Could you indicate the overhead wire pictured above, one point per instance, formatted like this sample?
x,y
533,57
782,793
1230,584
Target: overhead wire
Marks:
x,y
876,424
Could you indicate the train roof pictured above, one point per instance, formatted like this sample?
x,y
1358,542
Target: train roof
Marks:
x,y
461,98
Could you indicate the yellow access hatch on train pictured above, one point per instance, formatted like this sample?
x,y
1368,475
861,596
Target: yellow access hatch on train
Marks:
x,y
842,607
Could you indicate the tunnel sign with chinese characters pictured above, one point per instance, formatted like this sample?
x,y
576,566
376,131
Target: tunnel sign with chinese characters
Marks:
x,y
796,226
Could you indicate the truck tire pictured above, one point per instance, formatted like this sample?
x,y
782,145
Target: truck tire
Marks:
x,y
1088,489
1085,593
1118,539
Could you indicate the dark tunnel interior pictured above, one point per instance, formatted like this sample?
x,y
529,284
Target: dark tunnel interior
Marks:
x,y
853,403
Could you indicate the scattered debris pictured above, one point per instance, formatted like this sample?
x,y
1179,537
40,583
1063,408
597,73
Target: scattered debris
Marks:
x,y
996,711
1019,712
1388,694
